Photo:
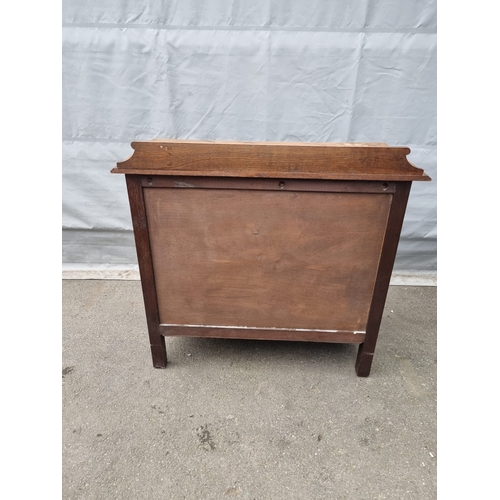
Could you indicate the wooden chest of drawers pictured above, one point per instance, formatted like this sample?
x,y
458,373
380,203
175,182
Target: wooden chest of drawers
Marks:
x,y
280,241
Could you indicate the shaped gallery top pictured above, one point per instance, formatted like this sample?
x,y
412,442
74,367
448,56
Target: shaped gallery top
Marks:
x,y
288,160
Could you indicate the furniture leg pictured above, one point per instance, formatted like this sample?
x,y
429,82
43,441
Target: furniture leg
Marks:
x,y
159,353
363,361
140,224
387,257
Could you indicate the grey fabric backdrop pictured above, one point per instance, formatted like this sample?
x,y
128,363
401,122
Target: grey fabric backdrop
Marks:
x,y
287,70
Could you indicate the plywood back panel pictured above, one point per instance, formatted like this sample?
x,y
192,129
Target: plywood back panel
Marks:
x,y
268,259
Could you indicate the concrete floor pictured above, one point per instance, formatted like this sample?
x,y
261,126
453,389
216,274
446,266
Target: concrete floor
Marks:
x,y
244,419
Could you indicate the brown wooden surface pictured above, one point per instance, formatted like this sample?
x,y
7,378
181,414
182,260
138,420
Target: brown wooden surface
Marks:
x,y
268,184
390,246
139,222
287,241
267,259
343,337
284,160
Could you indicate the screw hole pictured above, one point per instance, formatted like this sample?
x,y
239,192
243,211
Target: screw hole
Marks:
x,y
281,185
385,186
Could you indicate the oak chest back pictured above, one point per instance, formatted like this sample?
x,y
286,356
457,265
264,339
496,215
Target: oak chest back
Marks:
x,y
280,241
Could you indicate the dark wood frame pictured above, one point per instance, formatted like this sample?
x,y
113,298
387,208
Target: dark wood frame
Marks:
x,y
395,184
140,225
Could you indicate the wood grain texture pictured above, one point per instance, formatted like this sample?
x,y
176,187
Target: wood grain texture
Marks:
x,y
387,258
139,223
284,160
343,337
283,241
265,258
184,182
